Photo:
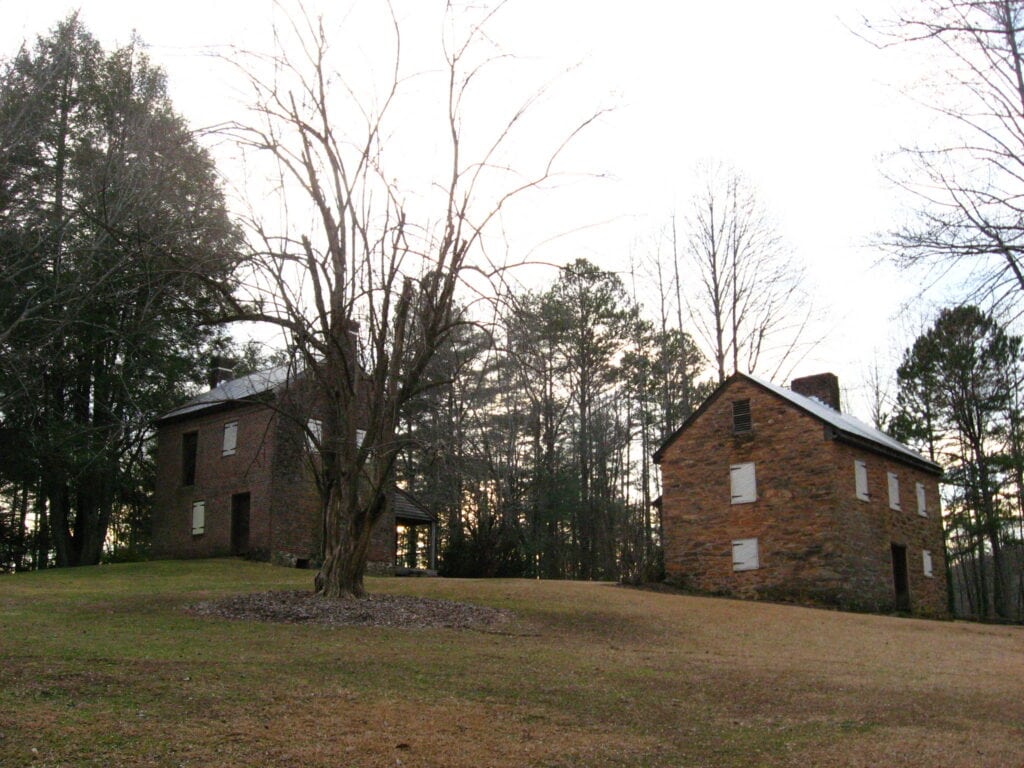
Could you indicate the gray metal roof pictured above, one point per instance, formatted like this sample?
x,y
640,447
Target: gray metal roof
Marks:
x,y
240,389
846,424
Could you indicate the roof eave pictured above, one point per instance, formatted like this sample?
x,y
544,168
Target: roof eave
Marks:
x,y
870,445
204,409
848,437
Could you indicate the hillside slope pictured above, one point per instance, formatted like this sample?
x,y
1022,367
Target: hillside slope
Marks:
x,y
103,666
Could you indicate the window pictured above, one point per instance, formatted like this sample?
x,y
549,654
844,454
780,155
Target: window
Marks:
x,y
922,507
744,555
314,434
230,438
189,451
860,474
198,518
894,491
743,483
360,436
926,563
741,416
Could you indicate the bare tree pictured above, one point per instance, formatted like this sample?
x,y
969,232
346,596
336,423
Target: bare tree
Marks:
x,y
366,296
747,304
969,179
879,399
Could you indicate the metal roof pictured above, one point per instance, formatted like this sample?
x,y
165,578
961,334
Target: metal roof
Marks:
x,y
845,423
407,508
845,426
240,389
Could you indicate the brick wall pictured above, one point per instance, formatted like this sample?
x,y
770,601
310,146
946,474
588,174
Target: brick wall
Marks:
x,y
271,464
218,478
295,503
816,541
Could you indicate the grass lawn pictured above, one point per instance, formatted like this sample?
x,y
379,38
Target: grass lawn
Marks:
x,y
102,667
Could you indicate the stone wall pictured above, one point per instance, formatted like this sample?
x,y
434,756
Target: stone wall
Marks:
x,y
816,541
870,528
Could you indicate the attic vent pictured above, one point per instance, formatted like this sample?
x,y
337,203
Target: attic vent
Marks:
x,y
741,416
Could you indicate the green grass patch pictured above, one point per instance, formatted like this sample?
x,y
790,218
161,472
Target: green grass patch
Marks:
x,y
104,666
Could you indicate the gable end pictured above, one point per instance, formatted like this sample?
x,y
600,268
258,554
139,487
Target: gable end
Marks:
x,y
832,430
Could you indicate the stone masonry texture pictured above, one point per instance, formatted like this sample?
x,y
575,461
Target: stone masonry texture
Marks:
x,y
817,541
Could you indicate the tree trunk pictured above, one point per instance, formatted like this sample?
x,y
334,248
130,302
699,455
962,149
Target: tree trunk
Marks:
x,y
58,503
345,553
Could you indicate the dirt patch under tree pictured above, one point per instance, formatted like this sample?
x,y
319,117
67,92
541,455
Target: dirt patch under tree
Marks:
x,y
302,607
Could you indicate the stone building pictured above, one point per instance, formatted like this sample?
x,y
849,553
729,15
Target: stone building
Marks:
x,y
233,478
774,493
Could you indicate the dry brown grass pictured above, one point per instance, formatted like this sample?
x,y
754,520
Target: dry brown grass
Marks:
x,y
103,667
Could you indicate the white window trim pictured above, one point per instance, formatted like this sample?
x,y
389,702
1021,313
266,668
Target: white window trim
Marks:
x,y
746,555
198,518
926,564
743,483
230,439
860,480
922,503
894,491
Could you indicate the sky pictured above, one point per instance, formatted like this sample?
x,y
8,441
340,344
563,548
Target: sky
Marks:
x,y
785,91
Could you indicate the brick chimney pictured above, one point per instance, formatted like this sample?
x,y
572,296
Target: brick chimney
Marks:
x,y
821,386
220,371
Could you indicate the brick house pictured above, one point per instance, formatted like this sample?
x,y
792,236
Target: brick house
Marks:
x,y
233,478
774,493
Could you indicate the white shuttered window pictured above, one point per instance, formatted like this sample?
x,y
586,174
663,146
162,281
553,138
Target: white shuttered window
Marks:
x,y
743,483
894,491
314,434
744,555
230,438
922,507
926,563
198,517
860,475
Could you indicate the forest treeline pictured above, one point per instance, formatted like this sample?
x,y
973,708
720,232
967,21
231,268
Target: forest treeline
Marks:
x,y
535,447
959,402
526,421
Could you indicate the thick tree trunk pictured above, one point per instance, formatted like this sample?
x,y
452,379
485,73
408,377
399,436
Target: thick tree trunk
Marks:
x,y
344,566
345,551
351,512
22,535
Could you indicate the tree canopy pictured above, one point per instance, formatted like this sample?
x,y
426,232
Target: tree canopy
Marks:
x,y
113,234
966,176
958,400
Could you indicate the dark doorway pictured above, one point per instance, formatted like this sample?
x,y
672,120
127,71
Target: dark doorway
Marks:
x,y
240,524
899,577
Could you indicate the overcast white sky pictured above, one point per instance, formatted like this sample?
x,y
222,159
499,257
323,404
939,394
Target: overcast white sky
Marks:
x,y
783,90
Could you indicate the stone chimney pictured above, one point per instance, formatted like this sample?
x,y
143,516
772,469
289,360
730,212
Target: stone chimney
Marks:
x,y
821,386
220,371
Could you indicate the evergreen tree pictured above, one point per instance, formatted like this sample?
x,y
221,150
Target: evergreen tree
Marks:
x,y
955,402
113,230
